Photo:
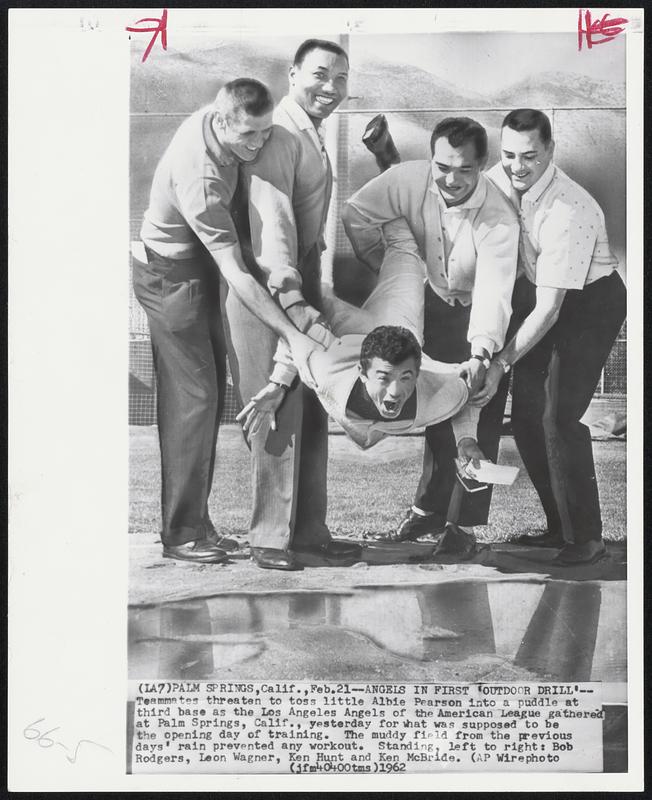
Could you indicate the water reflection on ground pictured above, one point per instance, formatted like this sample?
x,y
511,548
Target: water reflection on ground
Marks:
x,y
468,629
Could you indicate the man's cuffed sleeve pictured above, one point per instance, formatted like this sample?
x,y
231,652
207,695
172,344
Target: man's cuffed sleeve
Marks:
x,y
495,273
284,370
465,423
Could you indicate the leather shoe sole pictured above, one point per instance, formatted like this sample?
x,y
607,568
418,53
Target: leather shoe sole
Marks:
x,y
272,558
197,552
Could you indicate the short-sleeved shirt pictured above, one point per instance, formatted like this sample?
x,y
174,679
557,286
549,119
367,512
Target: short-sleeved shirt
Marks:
x,y
191,193
563,243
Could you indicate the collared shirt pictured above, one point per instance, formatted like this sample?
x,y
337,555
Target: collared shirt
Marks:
x,y
289,188
304,123
470,250
441,394
564,242
191,193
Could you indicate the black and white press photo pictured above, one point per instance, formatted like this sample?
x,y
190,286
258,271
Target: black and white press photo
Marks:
x,y
382,459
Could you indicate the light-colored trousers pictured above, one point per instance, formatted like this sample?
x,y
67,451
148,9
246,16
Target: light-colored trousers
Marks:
x,y
397,299
289,465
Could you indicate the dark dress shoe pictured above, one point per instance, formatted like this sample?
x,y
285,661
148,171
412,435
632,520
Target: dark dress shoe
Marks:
x,y
412,528
332,553
200,551
545,539
272,558
579,554
456,541
223,542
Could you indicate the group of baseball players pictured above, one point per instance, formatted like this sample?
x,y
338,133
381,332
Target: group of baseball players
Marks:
x,y
479,273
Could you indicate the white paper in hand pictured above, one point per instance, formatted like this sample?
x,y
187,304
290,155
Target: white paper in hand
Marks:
x,y
489,472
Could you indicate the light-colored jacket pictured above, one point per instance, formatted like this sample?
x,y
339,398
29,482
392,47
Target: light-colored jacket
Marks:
x,y
441,394
481,265
289,188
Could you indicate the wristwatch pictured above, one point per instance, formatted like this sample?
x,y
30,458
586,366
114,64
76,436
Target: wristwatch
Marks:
x,y
485,361
282,385
503,364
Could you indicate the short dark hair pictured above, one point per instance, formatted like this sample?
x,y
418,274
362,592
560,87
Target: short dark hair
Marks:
x,y
391,343
458,131
250,96
317,44
529,119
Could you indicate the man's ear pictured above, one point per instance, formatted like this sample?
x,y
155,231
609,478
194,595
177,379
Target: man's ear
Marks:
x,y
291,73
361,373
220,122
551,147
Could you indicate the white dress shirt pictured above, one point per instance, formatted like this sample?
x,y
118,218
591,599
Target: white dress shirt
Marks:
x,y
563,243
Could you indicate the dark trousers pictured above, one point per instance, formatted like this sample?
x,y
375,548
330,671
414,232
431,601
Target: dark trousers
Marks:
x,y
445,332
553,386
181,300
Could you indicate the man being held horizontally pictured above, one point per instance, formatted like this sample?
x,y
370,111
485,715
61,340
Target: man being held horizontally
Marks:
x,y
289,190
577,305
372,378
467,234
189,237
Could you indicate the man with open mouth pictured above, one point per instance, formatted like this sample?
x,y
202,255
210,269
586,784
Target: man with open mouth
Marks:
x,y
373,378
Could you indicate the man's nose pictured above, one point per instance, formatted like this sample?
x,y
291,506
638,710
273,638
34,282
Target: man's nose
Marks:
x,y
329,86
393,389
450,178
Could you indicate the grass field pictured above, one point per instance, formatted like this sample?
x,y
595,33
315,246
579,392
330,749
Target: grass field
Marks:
x,y
368,491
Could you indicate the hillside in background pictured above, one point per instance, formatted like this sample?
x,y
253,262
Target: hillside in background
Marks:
x,y
183,81
381,85
562,89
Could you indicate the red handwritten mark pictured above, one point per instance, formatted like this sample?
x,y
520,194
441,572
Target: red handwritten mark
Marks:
x,y
608,28
161,27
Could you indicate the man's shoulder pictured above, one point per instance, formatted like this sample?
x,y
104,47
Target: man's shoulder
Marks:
x,y
283,118
192,126
406,177
573,194
496,207
419,168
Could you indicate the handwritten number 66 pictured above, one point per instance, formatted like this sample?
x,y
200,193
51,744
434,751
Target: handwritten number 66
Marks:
x,y
42,738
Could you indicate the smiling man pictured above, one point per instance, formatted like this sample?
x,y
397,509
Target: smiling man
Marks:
x,y
288,191
467,235
189,237
574,304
